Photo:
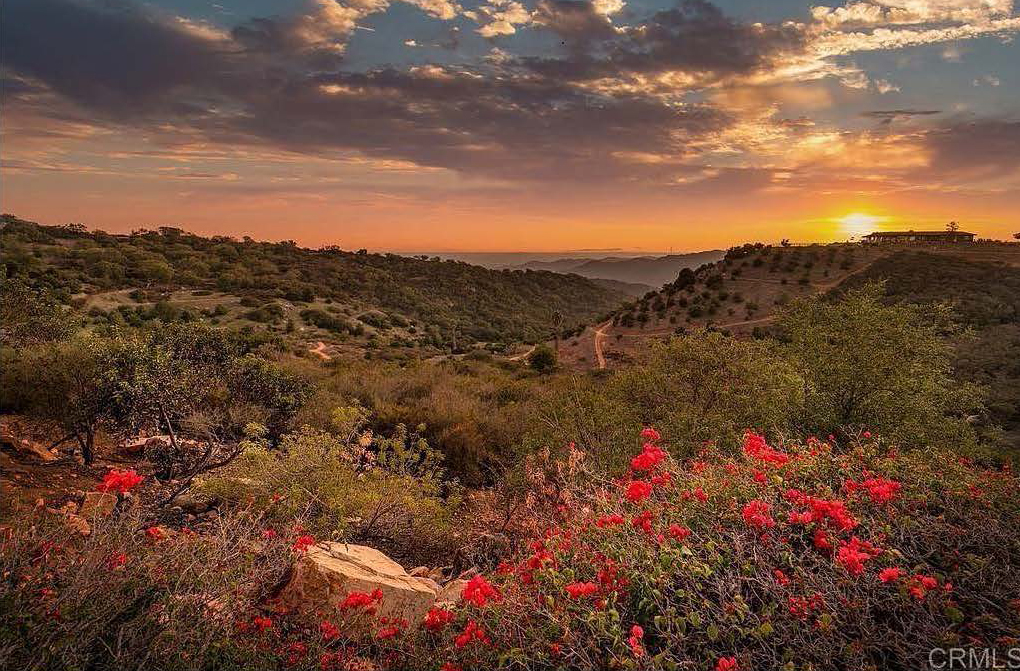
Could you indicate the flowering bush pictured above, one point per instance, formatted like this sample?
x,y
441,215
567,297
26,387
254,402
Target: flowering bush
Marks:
x,y
789,555
805,553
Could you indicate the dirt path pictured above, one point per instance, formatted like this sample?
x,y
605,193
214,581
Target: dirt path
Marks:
x,y
523,356
320,349
600,333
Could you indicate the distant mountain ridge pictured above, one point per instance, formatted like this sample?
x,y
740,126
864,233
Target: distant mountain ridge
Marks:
x,y
651,271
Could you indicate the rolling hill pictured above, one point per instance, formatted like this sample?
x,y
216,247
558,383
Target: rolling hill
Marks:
x,y
332,292
651,271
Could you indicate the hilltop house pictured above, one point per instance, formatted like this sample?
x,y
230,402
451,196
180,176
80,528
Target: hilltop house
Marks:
x,y
918,236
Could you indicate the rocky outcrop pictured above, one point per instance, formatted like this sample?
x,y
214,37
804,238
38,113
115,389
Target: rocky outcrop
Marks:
x,y
327,573
12,440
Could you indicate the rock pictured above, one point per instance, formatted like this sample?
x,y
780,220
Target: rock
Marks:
x,y
23,447
428,582
451,591
97,504
327,573
419,571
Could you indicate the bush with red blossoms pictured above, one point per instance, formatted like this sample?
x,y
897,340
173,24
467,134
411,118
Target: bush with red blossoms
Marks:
x,y
852,557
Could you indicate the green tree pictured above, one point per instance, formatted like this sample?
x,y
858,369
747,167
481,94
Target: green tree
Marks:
x,y
30,316
883,368
543,359
71,385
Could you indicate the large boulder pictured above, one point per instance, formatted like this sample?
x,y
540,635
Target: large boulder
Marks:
x,y
23,448
324,576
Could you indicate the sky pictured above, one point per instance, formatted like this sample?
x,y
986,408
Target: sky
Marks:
x,y
533,125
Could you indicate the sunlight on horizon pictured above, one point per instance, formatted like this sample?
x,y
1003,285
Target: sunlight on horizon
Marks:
x,y
857,224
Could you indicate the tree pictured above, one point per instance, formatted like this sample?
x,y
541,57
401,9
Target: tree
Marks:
x,y
884,368
1016,236
543,359
29,316
952,227
71,385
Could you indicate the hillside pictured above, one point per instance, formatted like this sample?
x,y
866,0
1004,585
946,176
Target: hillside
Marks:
x,y
652,271
329,293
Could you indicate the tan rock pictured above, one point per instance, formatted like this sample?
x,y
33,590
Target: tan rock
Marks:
x,y
429,582
97,504
419,571
327,573
452,591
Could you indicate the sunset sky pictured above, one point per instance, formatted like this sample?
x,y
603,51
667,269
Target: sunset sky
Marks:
x,y
414,125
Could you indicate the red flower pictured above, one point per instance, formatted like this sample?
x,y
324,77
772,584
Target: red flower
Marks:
x,y
867,434
881,490
643,521
117,560
576,590
821,539
609,520
890,574
362,599
726,664
269,534
649,458
302,543
479,590
755,447
635,641
648,433
437,618
472,632
449,666
154,533
262,624
852,555
700,494
120,481
756,514
781,578
679,532
638,490
329,631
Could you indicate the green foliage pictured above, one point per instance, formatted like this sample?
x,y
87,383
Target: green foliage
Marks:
x,y
701,387
447,296
30,316
870,366
543,359
352,486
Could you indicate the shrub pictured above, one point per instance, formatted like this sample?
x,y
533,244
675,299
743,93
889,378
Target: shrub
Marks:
x,y
543,359
348,485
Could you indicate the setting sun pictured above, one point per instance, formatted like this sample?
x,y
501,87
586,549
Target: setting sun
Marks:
x,y
858,223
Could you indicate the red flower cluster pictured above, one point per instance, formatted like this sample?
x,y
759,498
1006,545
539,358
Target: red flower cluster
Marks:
x,y
576,590
757,514
120,481
610,520
437,618
648,433
302,543
472,632
679,532
755,447
638,490
891,574
479,591
262,624
643,521
329,631
881,490
390,627
852,555
919,585
636,640
651,455
362,599
726,664
821,511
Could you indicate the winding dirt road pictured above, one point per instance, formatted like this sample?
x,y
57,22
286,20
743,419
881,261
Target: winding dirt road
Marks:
x,y
320,349
600,333
525,355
